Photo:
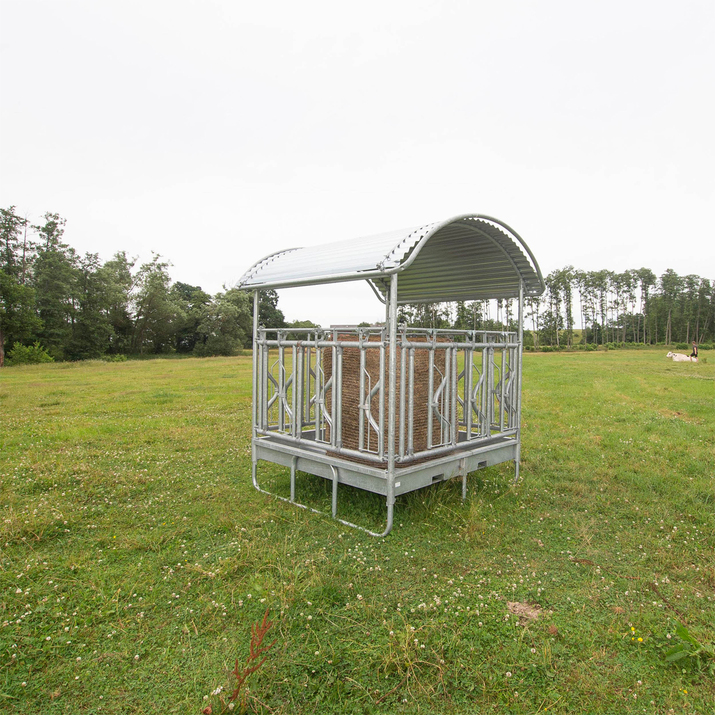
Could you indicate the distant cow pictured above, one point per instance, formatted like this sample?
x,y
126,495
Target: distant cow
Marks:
x,y
679,357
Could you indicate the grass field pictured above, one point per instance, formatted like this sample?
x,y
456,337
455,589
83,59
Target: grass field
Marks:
x,y
136,555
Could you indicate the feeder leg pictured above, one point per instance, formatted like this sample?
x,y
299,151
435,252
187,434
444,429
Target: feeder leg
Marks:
x,y
463,470
335,490
517,459
293,467
390,513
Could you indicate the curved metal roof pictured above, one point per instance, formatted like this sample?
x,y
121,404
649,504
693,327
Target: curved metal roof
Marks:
x,y
469,257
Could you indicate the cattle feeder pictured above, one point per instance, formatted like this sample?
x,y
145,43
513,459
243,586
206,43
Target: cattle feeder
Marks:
x,y
392,409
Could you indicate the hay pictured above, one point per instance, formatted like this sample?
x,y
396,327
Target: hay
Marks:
x,y
351,393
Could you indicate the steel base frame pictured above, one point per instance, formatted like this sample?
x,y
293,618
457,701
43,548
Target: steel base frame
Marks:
x,y
315,460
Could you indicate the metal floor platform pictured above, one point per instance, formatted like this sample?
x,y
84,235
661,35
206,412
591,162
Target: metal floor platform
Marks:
x,y
316,460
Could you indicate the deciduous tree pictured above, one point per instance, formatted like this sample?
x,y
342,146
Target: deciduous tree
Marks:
x,y
157,313
18,321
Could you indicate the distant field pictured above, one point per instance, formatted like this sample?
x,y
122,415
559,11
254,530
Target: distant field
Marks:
x,y
136,555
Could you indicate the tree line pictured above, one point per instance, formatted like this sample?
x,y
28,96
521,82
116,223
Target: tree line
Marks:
x,y
632,307
76,307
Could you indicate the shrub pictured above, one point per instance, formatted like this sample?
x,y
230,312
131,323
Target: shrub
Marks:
x,y
217,345
28,355
114,358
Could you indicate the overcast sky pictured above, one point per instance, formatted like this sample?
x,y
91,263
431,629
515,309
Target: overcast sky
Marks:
x,y
217,132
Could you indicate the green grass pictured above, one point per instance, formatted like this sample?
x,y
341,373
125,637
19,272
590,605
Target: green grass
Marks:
x,y
136,555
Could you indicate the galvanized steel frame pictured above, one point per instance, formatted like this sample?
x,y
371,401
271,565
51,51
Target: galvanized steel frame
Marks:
x,y
296,438
477,407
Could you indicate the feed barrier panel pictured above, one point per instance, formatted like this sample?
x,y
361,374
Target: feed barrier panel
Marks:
x,y
329,388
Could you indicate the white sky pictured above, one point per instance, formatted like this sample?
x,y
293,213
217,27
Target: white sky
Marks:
x,y
217,132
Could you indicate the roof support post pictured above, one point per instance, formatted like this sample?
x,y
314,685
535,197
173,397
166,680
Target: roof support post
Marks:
x,y
392,397
519,359
256,298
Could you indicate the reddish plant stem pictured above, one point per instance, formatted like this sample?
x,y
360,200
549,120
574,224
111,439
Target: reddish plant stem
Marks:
x,y
258,633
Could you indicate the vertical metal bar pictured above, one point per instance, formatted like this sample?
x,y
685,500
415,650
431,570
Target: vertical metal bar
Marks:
x,y
520,340
489,389
319,392
511,396
430,394
411,405
502,381
468,381
259,387
333,395
294,390
461,421
336,479
445,422
265,358
381,436
390,513
403,381
308,390
298,395
338,401
254,474
256,349
293,468
281,388
392,328
362,444
455,378
305,362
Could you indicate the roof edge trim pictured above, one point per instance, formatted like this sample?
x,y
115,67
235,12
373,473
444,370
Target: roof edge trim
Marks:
x,y
521,241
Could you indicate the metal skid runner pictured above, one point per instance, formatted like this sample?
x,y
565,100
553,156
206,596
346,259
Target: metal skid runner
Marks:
x,y
392,409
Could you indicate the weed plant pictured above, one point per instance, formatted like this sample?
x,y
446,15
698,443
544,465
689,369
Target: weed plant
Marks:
x,y
136,555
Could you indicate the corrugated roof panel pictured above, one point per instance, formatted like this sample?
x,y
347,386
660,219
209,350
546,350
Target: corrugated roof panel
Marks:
x,y
464,258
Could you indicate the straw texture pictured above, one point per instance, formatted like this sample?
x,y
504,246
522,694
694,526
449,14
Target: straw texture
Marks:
x,y
351,393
